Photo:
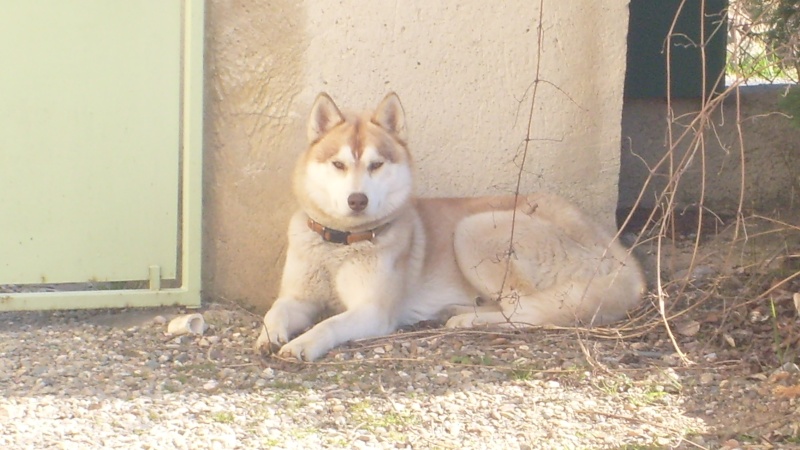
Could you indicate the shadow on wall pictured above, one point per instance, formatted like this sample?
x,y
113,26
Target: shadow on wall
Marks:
x,y
769,147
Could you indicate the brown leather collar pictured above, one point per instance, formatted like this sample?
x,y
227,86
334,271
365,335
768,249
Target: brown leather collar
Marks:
x,y
342,237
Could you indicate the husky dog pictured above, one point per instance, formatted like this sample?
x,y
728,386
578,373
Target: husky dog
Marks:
x,y
363,248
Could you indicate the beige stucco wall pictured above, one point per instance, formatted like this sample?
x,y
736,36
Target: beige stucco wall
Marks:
x,y
770,142
463,70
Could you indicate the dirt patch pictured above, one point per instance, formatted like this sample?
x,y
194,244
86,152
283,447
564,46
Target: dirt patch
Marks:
x,y
731,299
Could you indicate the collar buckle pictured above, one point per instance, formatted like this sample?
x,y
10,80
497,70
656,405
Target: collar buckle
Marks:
x,y
336,236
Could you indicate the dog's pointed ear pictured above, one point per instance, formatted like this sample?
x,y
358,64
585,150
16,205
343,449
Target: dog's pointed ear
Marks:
x,y
324,116
390,116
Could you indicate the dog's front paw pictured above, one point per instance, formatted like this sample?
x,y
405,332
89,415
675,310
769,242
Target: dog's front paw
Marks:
x,y
303,348
271,338
467,320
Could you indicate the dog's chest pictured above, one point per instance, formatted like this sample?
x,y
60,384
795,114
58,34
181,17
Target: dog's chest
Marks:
x,y
332,262
332,255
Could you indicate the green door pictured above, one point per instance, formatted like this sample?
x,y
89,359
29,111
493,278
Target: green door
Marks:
x,y
101,115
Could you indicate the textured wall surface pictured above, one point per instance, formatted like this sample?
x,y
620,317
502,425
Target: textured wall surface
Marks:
x,y
770,144
464,72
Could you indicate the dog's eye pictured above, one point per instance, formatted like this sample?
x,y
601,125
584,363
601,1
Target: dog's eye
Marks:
x,y
338,165
375,166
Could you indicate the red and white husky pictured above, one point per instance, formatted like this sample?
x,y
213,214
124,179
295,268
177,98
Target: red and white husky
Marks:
x,y
365,250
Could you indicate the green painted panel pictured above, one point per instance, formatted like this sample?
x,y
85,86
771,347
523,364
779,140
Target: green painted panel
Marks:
x,y
649,25
188,293
90,100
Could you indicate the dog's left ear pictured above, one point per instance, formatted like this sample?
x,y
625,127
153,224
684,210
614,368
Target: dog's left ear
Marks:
x,y
390,116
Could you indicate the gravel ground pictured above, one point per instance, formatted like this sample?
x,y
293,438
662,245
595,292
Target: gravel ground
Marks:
x,y
117,380
90,380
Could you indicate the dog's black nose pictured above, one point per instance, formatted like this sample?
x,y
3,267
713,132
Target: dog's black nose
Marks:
x,y
357,201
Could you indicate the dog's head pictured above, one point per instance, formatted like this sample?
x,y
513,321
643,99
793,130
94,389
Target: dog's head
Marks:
x,y
357,172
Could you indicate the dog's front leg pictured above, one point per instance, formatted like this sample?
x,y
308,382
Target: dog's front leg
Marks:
x,y
363,321
301,294
370,289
